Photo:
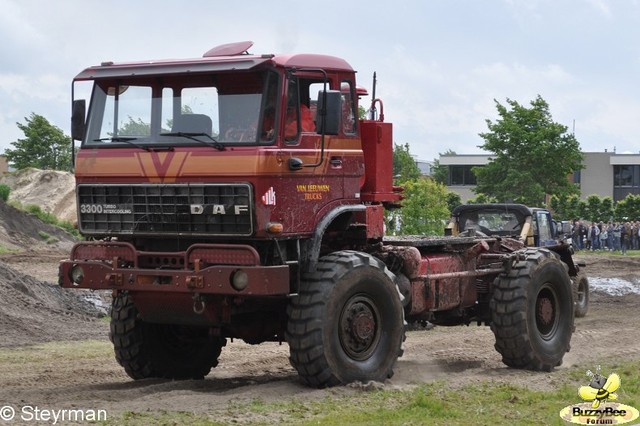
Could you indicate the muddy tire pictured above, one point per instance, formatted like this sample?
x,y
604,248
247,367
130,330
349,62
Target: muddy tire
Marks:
x,y
532,312
160,350
580,286
347,322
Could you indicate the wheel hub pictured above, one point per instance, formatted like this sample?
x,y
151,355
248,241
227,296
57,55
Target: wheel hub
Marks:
x,y
362,326
358,329
545,311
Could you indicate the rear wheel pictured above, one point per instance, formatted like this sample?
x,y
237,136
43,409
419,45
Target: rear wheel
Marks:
x,y
532,312
580,285
160,350
347,322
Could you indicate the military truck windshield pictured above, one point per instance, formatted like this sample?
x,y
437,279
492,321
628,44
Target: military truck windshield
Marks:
x,y
492,222
216,110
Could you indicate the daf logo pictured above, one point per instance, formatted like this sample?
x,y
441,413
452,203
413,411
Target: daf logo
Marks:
x,y
219,209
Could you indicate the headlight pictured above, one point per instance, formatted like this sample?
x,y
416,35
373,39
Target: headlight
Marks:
x,y
76,273
239,280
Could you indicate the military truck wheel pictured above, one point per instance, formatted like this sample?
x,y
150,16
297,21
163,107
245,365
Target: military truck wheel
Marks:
x,y
347,322
532,312
580,285
160,350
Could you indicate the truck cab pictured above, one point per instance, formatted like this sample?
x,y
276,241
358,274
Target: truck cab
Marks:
x,y
532,225
209,186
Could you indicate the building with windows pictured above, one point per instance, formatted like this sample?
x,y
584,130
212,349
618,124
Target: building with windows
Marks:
x,y
424,167
606,174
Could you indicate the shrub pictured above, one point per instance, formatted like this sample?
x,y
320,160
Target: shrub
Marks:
x,y
4,192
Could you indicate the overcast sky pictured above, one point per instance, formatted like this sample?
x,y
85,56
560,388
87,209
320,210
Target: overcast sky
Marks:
x,y
440,63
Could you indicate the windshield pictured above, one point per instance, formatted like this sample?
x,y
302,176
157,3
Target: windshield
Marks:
x,y
182,110
492,222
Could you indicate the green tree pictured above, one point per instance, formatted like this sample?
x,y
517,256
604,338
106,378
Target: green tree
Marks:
x,y
425,209
453,200
134,128
575,208
594,206
439,172
404,166
628,208
558,206
606,209
362,113
45,146
482,199
533,155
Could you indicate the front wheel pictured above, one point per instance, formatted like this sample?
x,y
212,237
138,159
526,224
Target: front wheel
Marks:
x,y
347,322
160,350
532,312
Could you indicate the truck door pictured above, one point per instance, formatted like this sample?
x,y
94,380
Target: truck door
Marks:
x,y
545,236
314,188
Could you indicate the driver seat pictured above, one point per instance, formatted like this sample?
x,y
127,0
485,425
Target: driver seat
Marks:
x,y
192,123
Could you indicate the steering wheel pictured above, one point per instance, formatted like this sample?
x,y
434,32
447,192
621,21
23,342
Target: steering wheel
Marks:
x,y
467,233
239,135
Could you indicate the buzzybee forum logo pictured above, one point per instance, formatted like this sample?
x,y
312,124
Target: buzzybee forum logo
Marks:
x,y
598,408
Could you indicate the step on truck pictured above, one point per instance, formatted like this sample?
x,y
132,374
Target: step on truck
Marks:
x,y
240,196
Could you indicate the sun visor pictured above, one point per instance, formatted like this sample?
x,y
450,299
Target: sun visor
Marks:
x,y
111,70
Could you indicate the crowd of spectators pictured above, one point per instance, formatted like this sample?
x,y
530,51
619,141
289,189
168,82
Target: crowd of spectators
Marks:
x,y
612,236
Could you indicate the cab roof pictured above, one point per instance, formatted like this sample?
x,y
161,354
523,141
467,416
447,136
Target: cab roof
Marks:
x,y
495,207
229,57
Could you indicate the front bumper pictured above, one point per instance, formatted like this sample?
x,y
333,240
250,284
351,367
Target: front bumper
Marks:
x,y
202,269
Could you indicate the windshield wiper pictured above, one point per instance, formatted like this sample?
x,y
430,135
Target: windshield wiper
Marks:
x,y
125,139
214,143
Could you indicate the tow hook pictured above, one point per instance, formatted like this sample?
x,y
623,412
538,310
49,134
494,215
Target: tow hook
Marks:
x,y
198,304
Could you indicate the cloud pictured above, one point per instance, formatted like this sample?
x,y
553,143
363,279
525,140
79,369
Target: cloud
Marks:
x,y
45,94
439,64
602,7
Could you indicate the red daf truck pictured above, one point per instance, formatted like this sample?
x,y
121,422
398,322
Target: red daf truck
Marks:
x,y
240,196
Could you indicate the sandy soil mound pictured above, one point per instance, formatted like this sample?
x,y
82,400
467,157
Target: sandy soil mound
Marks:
x,y
52,190
32,311
20,230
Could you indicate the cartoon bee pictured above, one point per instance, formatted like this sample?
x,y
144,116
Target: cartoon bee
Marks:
x,y
600,389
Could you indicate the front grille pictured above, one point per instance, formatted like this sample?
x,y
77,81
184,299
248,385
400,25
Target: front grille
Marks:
x,y
176,209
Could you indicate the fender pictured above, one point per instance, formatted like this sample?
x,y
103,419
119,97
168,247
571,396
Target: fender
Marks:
x,y
311,248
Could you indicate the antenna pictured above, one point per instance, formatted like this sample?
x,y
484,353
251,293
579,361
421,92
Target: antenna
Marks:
x,y
373,98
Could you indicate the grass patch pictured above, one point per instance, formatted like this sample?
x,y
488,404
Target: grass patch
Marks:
x,y
47,218
163,418
4,192
5,250
587,253
481,403
38,354
49,239
484,403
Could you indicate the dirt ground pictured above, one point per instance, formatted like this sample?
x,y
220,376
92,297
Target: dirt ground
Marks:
x,y
34,310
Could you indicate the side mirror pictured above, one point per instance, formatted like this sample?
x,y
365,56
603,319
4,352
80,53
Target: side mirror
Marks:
x,y
329,112
78,112
295,163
